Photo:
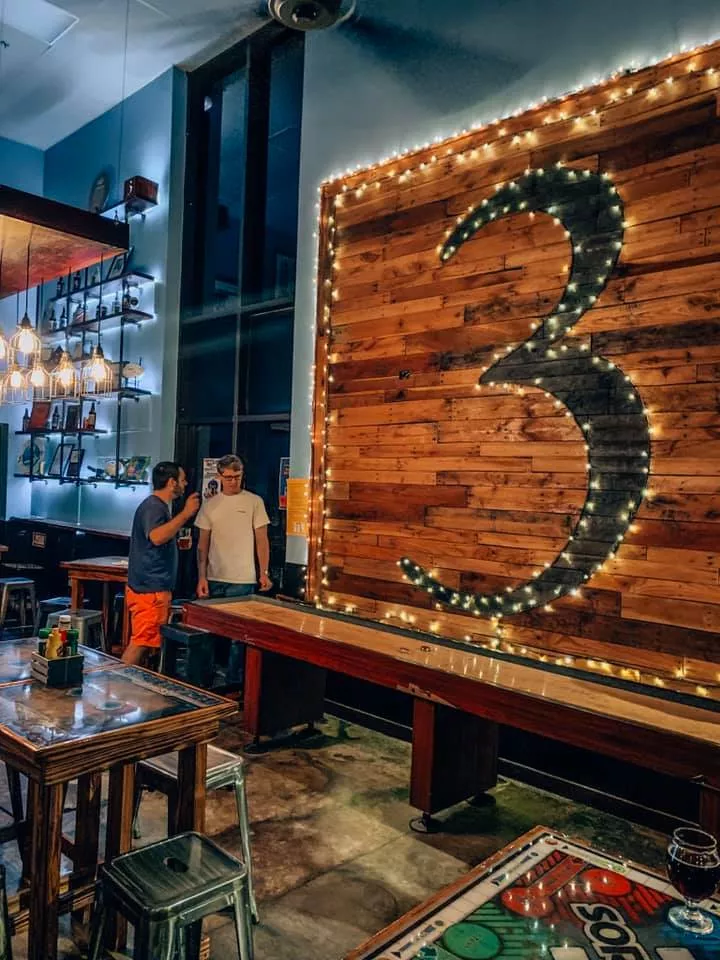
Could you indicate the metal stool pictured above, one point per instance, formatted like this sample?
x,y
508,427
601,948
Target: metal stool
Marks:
x,y
46,607
163,888
188,653
5,941
88,623
23,590
224,769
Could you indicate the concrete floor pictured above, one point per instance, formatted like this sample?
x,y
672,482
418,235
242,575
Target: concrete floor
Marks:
x,y
334,859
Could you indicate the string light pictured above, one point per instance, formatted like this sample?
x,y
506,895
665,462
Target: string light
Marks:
x,y
673,88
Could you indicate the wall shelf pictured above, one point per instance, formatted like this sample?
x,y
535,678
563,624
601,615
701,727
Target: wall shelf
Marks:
x,y
61,433
112,321
81,481
98,291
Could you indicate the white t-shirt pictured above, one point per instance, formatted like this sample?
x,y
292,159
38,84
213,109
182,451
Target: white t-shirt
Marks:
x,y
232,522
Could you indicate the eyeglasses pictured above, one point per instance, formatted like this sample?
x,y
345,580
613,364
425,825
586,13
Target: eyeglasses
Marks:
x,y
231,476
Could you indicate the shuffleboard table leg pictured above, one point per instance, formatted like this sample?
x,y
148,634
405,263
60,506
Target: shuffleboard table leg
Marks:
x,y
454,757
710,808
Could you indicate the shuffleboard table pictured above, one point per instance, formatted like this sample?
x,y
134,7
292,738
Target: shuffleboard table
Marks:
x,y
460,696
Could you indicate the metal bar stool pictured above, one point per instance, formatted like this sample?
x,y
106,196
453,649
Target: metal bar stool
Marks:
x,y
224,769
164,888
23,590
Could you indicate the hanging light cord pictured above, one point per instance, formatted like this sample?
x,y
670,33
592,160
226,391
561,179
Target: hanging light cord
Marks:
x,y
122,88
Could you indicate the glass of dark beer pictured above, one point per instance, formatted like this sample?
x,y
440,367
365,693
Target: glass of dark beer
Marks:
x,y
693,865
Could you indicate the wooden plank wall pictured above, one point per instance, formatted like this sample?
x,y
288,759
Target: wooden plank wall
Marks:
x,y
483,485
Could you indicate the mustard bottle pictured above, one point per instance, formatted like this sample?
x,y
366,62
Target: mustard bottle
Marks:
x,y
54,644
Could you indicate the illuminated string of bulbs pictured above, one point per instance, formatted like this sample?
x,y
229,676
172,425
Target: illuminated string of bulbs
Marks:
x,y
480,154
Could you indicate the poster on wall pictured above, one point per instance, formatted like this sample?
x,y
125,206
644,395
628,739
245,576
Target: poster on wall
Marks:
x,y
210,482
298,499
283,482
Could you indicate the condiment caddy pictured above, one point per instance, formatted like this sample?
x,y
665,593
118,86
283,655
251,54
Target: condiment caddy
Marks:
x,y
56,662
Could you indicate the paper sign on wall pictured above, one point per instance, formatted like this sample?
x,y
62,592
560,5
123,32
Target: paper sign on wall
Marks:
x,y
210,482
283,482
298,502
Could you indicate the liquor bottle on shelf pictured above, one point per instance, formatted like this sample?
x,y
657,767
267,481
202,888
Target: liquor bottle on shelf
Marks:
x,y
63,320
91,418
60,286
98,311
95,278
25,421
55,422
52,319
76,282
116,304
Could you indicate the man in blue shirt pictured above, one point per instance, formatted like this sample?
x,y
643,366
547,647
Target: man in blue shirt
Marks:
x,y
152,563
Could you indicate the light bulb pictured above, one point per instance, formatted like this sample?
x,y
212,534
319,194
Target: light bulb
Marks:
x,y
25,340
16,379
38,376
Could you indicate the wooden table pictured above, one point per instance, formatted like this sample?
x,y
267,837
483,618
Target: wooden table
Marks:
x,y
459,697
120,715
106,570
546,896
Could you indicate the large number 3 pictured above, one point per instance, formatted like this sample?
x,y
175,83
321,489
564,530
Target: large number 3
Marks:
x,y
597,394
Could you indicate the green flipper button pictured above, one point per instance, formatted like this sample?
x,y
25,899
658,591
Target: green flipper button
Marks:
x,y
470,941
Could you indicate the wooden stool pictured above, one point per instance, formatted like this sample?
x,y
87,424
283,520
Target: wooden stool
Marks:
x,y
164,888
23,590
224,769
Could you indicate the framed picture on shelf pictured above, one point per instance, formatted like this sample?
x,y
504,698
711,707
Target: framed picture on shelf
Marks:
x,y
39,415
111,469
74,462
32,457
118,265
61,457
136,469
72,417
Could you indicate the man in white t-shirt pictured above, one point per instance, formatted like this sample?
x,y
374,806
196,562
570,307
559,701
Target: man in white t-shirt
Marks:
x,y
233,528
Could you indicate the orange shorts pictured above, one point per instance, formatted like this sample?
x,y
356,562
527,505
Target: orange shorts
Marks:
x,y
148,612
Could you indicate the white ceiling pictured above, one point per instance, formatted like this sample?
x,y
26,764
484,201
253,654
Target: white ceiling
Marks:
x,y
63,63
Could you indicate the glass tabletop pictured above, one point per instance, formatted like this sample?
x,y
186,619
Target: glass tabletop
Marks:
x,y
15,659
109,699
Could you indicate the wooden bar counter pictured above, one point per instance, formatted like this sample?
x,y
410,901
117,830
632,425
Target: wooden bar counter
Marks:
x,y
459,698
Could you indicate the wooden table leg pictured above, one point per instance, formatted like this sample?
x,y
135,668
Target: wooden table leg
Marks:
x,y
192,771
46,825
106,614
125,624
87,834
77,593
118,838
710,809
25,841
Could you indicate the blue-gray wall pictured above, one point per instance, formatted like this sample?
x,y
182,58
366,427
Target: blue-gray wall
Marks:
x,y
145,136
21,166
362,102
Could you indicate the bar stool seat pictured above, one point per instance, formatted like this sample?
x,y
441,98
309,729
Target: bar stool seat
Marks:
x,y
48,606
188,653
163,888
22,591
88,623
224,769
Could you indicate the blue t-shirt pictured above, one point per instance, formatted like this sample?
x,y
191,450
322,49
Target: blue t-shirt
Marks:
x,y
151,569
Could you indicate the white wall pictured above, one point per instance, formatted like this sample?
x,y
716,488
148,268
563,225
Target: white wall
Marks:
x,y
361,102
